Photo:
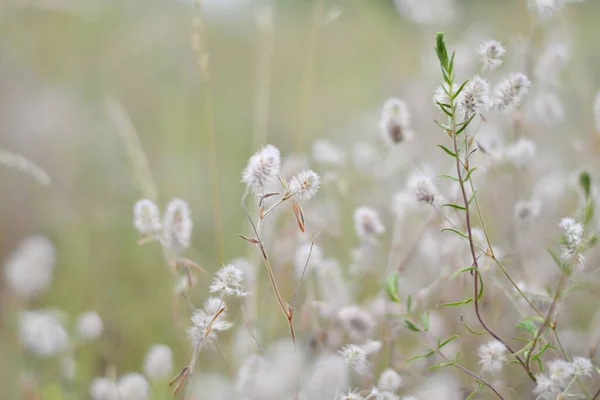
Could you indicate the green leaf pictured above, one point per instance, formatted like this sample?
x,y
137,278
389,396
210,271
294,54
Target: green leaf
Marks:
x,y
391,287
585,182
528,326
473,393
421,356
588,212
409,304
451,63
445,342
456,303
454,206
447,112
447,150
472,198
411,326
425,322
455,95
440,49
456,231
455,179
441,365
468,176
454,275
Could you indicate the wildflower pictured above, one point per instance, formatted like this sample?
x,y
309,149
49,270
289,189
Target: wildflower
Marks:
x,y
474,98
573,236
491,53
247,374
492,356
263,167
158,362
228,281
441,94
325,152
371,346
425,191
89,325
357,322
42,333
582,366
395,121
133,386
560,371
146,217
546,388
28,271
509,93
206,323
528,209
103,389
178,225
352,396
521,152
305,184
389,380
355,357
367,223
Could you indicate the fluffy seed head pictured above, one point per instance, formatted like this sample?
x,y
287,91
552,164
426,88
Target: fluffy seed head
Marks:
x,y
441,95
425,191
525,210
357,322
228,281
510,92
262,168
178,226
395,122
325,152
521,152
492,356
103,389
367,223
28,271
158,363
133,386
305,184
573,236
89,325
355,357
42,333
474,98
203,318
546,388
582,366
389,381
491,53
146,217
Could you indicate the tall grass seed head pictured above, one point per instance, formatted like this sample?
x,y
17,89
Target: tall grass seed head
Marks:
x,y
158,362
146,217
394,122
177,226
89,325
263,168
305,184
424,191
491,53
28,271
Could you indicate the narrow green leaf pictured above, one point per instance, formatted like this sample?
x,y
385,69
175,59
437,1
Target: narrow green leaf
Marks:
x,y
473,393
465,124
445,342
528,326
447,150
455,179
454,275
460,89
456,303
421,356
425,322
447,112
472,198
441,365
391,287
440,49
468,176
585,182
454,206
409,304
456,231
411,326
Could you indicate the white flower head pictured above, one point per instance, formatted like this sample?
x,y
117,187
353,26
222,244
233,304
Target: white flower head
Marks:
x,y
441,93
394,122
525,210
133,386
582,366
263,167
177,226
305,184
474,98
202,319
158,363
560,371
367,223
521,152
424,190
355,357
324,152
28,271
546,388
42,333
491,53
492,356
510,92
89,325
573,238
146,217
389,381
103,389
228,281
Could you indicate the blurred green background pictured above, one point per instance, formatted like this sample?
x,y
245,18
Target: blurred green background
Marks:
x,y
323,68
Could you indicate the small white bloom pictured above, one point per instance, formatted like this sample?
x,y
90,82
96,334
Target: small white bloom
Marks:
x,y
491,53
103,389
146,217
560,371
89,325
573,237
546,388
28,271
158,363
355,357
521,152
395,122
528,209
389,381
228,281
133,386
372,346
202,319
352,396
357,322
441,93
510,92
474,98
263,167
425,190
305,184
582,366
42,333
367,223
492,356
178,225
325,152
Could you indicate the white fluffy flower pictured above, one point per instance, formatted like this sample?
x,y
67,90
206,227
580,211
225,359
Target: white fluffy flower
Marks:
x,y
178,225
158,363
103,389
546,388
42,333
394,122
474,98
28,271
560,371
424,190
582,366
510,92
521,152
491,53
305,184
89,325
367,223
133,386
228,281
262,168
492,356
355,357
146,217
573,237
203,318
441,93
325,152
389,381
528,209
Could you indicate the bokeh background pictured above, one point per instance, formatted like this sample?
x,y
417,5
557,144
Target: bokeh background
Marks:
x,y
80,78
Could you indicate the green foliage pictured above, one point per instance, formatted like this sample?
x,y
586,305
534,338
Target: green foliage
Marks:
x,y
391,287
